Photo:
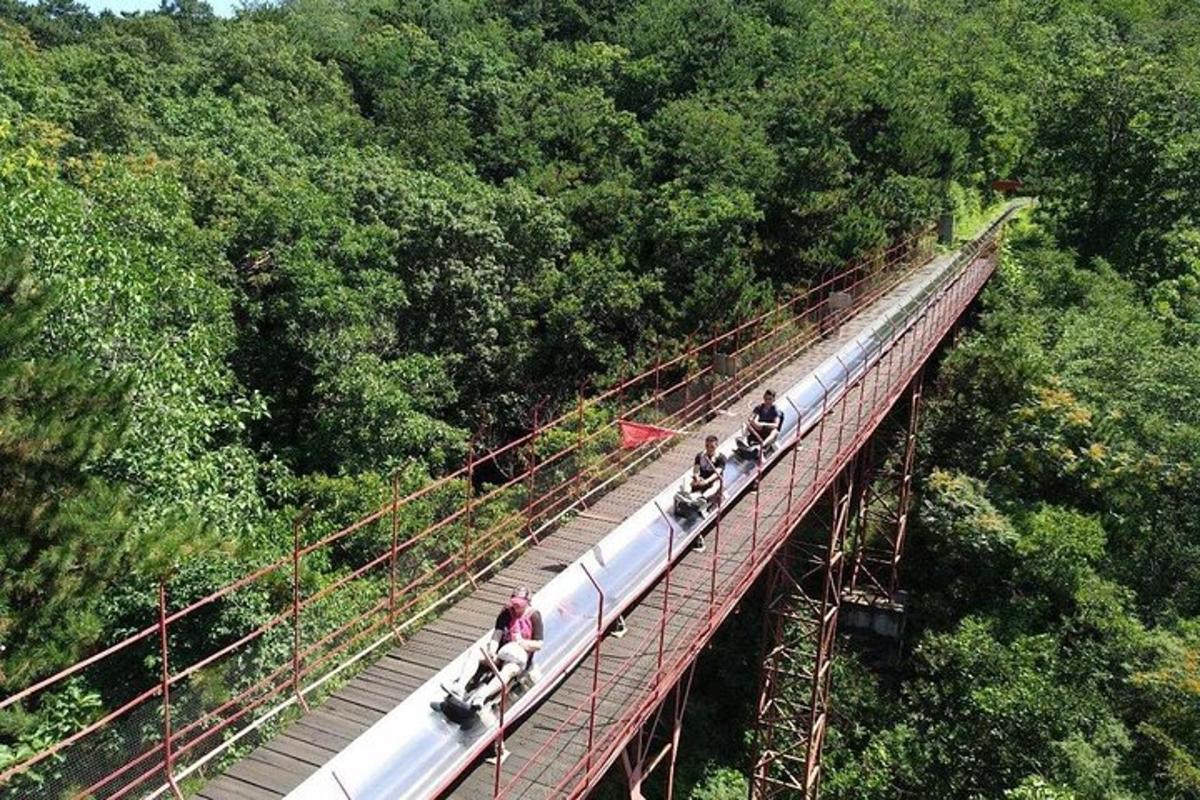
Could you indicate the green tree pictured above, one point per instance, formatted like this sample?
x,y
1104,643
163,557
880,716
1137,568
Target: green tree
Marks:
x,y
69,534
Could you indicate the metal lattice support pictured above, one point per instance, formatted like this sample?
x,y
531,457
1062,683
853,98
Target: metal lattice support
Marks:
x,y
646,751
881,519
804,586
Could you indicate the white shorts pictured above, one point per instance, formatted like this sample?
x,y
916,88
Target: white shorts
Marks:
x,y
513,653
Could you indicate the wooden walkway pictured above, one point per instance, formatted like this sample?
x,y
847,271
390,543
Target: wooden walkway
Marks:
x,y
282,763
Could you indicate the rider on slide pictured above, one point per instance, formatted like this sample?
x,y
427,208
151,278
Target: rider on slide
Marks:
x,y
516,637
707,480
765,421
706,472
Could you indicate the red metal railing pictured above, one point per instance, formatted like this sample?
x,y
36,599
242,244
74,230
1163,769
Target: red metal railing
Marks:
x,y
396,565
897,362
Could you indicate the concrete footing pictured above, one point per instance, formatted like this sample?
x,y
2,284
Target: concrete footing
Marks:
x,y
865,612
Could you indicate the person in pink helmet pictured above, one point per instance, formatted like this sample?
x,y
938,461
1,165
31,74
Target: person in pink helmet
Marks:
x,y
516,637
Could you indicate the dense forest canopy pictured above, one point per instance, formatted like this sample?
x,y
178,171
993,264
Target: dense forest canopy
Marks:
x,y
257,263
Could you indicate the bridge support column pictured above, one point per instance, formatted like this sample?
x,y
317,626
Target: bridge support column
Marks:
x,y
804,586
881,520
873,603
647,751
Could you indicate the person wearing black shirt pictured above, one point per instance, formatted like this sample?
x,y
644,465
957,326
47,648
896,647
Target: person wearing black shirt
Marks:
x,y
516,637
708,479
707,471
765,422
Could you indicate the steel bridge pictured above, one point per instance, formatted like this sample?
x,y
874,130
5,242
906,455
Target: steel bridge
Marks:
x,y
424,574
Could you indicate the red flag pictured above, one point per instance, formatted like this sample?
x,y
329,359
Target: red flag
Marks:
x,y
636,434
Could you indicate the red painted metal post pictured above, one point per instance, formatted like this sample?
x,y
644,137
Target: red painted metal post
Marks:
x,y
395,549
766,705
862,385
657,378
531,465
821,430
795,456
920,334
595,667
682,689
500,753
829,606
757,485
469,512
662,626
754,347
168,754
712,373
621,389
878,371
685,408
893,347
712,586
737,358
906,476
579,459
297,524
845,399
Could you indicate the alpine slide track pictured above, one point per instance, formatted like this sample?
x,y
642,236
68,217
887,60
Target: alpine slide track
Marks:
x,y
326,694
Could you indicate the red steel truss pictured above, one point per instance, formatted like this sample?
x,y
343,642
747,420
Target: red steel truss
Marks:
x,y
881,524
426,543
804,583
647,750
807,582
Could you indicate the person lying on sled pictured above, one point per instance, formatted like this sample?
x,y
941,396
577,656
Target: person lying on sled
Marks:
x,y
515,639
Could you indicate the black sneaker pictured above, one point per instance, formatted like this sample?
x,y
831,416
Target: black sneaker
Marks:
x,y
699,544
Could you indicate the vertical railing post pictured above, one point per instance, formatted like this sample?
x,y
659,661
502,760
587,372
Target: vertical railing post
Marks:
x,y
685,409
753,347
168,752
657,378
501,752
820,432
297,525
845,399
666,606
469,513
712,375
621,390
737,357
595,667
906,477
579,448
531,465
662,625
712,586
392,561
757,487
867,367
620,455
878,373
795,456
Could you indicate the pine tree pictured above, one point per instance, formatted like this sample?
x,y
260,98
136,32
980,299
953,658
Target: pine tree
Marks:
x,y
65,531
